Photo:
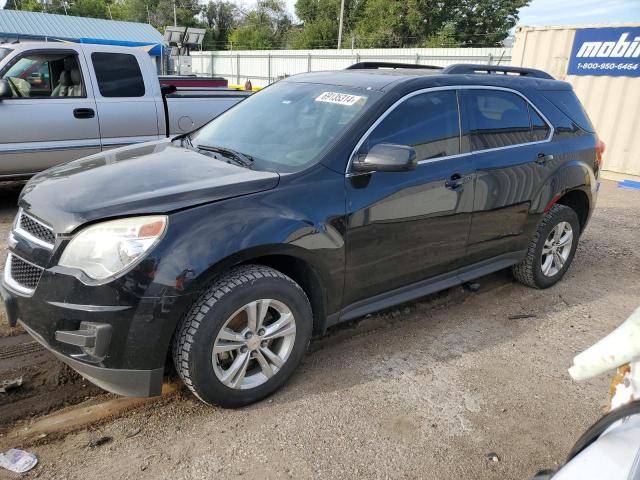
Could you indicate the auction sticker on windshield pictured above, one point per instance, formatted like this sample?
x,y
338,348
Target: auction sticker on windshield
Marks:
x,y
338,98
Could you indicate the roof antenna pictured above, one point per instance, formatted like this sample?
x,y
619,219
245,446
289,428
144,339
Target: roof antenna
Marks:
x,y
500,59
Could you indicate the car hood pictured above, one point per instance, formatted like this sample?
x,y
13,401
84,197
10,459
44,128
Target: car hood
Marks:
x,y
155,177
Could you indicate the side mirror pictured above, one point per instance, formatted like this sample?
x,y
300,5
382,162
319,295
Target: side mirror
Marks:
x,y
5,89
387,157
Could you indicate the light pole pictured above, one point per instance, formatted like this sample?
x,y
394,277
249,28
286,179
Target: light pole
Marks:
x,y
340,27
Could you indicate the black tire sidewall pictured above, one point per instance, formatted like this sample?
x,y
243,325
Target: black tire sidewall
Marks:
x,y
205,381
561,215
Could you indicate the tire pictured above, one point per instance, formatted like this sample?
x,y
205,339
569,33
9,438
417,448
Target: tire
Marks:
x,y
534,271
231,376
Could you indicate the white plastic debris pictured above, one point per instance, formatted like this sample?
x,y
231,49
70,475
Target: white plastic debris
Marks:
x,y
18,461
620,347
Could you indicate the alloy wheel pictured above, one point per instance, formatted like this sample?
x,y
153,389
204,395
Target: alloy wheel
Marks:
x,y
556,249
254,344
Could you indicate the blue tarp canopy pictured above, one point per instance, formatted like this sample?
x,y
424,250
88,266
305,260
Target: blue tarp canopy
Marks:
x,y
46,26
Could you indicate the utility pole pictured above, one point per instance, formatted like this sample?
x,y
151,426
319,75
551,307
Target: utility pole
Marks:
x,y
175,15
340,27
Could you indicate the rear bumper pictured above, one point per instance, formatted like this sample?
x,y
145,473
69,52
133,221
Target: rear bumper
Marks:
x,y
132,383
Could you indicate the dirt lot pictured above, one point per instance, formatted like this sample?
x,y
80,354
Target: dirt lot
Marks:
x,y
422,391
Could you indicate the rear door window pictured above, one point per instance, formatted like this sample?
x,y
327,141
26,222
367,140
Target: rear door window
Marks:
x,y
428,122
497,119
118,75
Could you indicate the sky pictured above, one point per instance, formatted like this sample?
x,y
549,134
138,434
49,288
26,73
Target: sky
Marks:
x,y
554,12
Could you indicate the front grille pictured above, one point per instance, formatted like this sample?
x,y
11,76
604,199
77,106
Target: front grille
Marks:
x,y
23,273
36,229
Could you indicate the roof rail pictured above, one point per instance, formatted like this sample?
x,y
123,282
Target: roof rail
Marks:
x,y
375,65
467,68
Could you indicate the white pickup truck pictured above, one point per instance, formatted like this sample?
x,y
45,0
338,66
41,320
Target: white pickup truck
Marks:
x,y
63,101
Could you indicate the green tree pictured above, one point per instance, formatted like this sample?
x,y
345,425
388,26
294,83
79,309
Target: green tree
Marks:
x,y
221,17
265,27
408,23
320,19
485,22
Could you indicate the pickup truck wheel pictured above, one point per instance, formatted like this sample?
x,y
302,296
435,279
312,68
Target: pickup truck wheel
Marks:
x,y
244,337
551,250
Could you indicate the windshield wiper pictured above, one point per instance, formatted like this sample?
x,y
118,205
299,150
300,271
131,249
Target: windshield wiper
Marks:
x,y
240,158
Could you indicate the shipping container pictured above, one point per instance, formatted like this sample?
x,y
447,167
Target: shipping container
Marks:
x,y
612,99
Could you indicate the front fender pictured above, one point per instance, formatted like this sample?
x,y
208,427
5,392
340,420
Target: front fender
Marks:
x,y
203,242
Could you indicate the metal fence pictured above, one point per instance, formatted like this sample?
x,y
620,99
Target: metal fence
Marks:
x,y
265,66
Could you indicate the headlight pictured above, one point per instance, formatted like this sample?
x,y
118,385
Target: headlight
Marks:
x,y
109,248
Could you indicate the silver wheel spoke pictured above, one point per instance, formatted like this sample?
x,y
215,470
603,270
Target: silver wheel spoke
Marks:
x,y
221,347
264,365
230,336
546,266
557,232
234,375
272,357
558,260
283,327
256,312
566,239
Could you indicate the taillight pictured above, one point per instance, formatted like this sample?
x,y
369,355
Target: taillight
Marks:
x,y
600,147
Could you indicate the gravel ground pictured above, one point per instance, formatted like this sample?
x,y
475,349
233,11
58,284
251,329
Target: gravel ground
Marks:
x,y
422,391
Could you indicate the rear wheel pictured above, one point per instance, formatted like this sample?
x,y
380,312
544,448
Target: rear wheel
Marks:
x,y
551,250
244,337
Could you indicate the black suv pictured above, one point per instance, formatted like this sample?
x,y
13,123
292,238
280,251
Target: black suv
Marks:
x,y
322,198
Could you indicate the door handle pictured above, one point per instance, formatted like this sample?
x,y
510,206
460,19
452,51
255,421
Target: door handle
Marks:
x,y
84,113
543,158
457,181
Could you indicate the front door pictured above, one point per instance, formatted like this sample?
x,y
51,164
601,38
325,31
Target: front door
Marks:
x,y
51,117
404,227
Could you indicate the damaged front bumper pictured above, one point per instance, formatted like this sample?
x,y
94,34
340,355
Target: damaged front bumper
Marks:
x,y
122,350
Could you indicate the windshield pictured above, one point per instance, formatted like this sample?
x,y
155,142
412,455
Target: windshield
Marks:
x,y
4,52
288,126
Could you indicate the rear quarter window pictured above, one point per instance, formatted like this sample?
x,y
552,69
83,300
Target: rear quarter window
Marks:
x,y
568,103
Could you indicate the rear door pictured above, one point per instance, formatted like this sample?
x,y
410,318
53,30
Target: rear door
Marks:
x,y
404,227
51,117
126,104
510,140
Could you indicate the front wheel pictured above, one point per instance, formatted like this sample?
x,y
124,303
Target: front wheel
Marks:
x,y
551,250
244,337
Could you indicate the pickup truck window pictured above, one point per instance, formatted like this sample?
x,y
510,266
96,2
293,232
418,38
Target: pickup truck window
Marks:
x,y
45,75
428,122
288,126
118,75
497,119
4,52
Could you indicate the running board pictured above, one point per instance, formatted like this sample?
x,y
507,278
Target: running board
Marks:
x,y
426,287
